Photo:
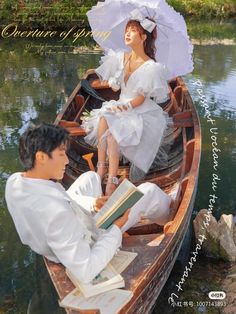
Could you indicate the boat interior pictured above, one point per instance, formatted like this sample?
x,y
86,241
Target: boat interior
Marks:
x,y
170,177
157,245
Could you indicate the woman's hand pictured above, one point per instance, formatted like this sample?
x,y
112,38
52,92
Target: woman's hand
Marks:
x,y
120,108
115,109
104,83
99,202
115,89
120,222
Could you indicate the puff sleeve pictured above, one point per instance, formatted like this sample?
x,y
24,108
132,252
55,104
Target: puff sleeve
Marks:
x,y
110,68
153,82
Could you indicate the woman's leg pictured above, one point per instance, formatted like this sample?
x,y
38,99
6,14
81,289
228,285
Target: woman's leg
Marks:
x,y
102,147
113,157
154,205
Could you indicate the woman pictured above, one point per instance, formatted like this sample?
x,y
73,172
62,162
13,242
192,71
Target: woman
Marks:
x,y
133,126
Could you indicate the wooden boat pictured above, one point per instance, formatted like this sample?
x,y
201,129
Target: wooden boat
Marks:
x,y
157,246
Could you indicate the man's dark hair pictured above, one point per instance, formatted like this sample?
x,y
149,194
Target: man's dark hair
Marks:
x,y
45,138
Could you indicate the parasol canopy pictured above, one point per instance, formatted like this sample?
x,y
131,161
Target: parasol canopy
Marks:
x,y
174,49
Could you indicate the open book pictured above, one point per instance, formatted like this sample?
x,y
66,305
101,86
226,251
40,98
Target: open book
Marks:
x,y
105,301
108,279
110,302
121,260
124,197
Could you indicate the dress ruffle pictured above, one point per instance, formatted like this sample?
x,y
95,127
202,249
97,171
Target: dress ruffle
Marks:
x,y
154,82
111,69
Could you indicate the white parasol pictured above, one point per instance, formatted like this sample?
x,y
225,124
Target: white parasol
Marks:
x,y
174,48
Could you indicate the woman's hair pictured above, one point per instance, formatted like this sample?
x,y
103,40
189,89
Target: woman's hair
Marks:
x,y
45,138
149,43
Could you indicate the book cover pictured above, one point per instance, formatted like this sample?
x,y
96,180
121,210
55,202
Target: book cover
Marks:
x,y
123,198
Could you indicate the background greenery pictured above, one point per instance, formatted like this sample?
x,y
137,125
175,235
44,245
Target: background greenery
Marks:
x,y
47,14
205,9
65,13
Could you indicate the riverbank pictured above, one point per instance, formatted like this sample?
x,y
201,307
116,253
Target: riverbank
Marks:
x,y
79,39
64,14
214,41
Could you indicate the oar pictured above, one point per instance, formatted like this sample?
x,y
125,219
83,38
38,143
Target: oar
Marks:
x,y
88,158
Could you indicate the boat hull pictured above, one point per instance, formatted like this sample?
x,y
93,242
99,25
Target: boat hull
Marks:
x,y
157,247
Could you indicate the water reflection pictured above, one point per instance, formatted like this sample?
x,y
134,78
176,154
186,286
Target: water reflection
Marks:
x,y
214,63
34,87
215,67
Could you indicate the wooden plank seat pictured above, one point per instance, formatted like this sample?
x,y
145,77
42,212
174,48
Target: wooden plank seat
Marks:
x,y
76,131
180,120
96,84
183,119
73,128
187,114
68,124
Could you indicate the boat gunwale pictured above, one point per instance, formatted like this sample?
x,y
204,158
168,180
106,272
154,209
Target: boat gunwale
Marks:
x,y
183,215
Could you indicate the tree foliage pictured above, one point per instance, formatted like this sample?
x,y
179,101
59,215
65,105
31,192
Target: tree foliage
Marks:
x,y
205,9
53,14
45,14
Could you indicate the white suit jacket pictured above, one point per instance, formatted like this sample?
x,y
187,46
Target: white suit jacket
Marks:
x,y
47,220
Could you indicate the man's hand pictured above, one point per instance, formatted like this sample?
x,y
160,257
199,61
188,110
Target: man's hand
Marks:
x,y
120,222
99,202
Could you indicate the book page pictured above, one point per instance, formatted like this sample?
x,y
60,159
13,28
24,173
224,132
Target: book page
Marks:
x,y
119,197
116,195
108,279
122,260
109,302
108,273
110,209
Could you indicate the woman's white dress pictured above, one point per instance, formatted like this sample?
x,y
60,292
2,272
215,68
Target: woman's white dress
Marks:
x,y
138,132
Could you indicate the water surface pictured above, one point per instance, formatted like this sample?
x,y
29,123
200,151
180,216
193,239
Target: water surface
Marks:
x,y
33,87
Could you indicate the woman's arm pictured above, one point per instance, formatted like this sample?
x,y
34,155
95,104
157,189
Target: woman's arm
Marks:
x,y
135,102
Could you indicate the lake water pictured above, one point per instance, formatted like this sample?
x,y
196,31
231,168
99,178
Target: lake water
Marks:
x,y
34,84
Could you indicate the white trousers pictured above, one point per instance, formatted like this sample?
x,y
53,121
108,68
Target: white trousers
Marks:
x,y
155,204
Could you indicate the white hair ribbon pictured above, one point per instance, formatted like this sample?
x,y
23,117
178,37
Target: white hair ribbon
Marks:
x,y
145,23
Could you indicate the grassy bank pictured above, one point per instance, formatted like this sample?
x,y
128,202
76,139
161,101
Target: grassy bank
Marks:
x,y
205,9
203,30
53,14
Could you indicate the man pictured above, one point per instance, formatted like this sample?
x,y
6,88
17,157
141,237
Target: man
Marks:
x,y
59,224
